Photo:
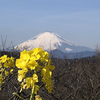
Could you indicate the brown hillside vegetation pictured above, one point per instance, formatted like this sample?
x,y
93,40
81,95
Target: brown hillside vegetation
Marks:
x,y
73,79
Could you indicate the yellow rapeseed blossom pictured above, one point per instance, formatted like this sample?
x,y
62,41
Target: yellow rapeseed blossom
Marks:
x,y
20,63
36,51
37,97
6,73
46,73
25,55
21,74
6,67
46,76
0,65
1,79
9,62
29,63
6,61
36,89
49,85
44,56
11,71
23,85
35,78
30,81
3,58
33,64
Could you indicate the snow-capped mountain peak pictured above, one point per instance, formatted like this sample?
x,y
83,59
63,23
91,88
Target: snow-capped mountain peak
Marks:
x,y
52,41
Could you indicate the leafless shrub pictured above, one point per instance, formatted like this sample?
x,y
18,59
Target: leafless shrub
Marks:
x,y
73,79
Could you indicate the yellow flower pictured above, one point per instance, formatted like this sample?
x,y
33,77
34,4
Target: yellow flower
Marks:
x,y
49,65
23,85
36,89
34,60
37,97
20,77
29,82
44,56
46,73
32,64
9,62
49,86
3,58
35,78
6,73
11,71
1,79
21,64
25,55
21,74
24,59
36,51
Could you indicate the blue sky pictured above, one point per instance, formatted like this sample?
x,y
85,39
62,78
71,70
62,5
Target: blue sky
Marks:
x,y
75,20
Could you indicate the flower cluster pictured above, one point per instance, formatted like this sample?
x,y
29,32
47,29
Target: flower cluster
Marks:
x,y
33,66
6,67
29,63
46,75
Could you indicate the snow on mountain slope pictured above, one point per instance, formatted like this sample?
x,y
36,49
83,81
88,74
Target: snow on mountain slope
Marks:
x,y
52,41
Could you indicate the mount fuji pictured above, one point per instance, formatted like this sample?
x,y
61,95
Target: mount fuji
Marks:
x,y
50,41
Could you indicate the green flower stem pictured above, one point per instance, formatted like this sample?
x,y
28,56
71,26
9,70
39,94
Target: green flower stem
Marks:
x,y
32,93
33,89
18,96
